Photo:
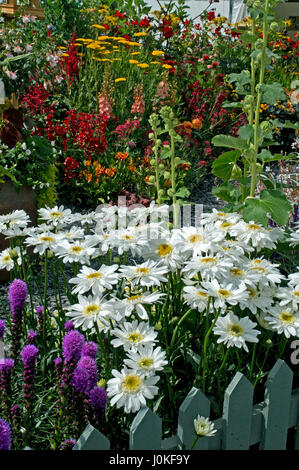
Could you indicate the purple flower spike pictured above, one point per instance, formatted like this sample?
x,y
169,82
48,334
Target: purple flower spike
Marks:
x,y
89,364
31,337
81,380
29,354
2,328
5,435
6,365
57,362
98,398
17,295
72,345
90,349
69,325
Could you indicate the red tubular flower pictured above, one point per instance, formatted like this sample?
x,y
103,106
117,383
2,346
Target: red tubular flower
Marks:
x,y
167,32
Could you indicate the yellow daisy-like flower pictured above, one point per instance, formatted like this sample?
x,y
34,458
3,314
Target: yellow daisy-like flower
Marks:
x,y
97,26
158,53
167,66
63,48
143,66
140,34
120,79
155,62
132,43
133,61
135,53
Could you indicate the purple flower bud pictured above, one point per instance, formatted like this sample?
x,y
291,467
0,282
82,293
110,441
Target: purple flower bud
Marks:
x,y
90,349
57,362
81,380
6,365
17,295
89,364
2,328
98,398
39,310
69,325
72,345
68,444
29,354
31,337
5,435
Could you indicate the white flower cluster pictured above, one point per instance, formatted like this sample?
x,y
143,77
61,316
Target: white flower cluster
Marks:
x,y
218,262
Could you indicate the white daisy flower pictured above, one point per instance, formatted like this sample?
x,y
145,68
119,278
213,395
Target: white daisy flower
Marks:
x,y
164,250
269,275
127,239
148,274
42,241
289,296
74,233
196,297
204,427
89,310
226,294
256,235
284,320
217,216
134,303
130,389
133,335
209,267
193,241
235,332
294,238
95,279
16,219
77,251
257,299
56,215
294,278
8,256
146,360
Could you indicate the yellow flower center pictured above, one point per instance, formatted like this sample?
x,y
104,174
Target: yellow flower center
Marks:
x,y
91,309
94,275
142,271
256,261
6,258
55,214
77,249
145,362
134,337
236,272
201,293
221,214
235,329
195,238
226,225
254,226
132,383
208,260
287,317
134,297
296,293
224,293
47,239
164,249
260,270
127,237
252,292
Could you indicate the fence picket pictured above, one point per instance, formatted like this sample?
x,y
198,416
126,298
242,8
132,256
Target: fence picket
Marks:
x,y
146,431
92,439
195,403
237,413
277,407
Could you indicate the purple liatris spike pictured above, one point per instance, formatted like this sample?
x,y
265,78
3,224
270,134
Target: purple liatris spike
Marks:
x,y
72,346
29,354
89,364
6,365
69,325
98,398
2,328
17,295
81,380
31,337
5,435
90,349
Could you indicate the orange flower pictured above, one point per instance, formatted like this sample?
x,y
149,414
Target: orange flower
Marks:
x,y
167,182
197,124
146,178
110,171
122,155
87,163
185,166
132,168
187,127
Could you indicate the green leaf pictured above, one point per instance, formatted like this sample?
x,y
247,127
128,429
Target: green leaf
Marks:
x,y
248,38
183,192
255,210
277,204
223,140
291,125
246,132
242,78
226,192
223,166
3,171
272,93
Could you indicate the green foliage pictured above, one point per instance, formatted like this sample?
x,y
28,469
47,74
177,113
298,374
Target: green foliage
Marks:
x,y
47,196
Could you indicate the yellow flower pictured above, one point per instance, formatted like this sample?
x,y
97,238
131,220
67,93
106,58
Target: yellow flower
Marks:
x,y
140,34
61,47
143,66
135,53
155,62
167,66
116,58
133,61
120,79
131,43
97,26
158,53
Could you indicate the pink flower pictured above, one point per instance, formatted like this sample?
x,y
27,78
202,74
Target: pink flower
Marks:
x,y
11,75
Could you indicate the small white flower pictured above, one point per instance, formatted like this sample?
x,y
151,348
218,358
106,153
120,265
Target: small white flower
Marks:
x,y
133,335
147,274
89,310
96,280
235,332
284,320
204,427
146,360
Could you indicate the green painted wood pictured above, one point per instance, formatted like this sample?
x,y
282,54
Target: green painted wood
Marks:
x,y
92,439
28,448
146,431
215,442
277,410
195,403
237,413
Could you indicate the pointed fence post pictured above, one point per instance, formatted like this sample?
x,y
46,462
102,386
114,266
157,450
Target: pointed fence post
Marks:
x,y
91,439
237,413
146,431
277,410
195,403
